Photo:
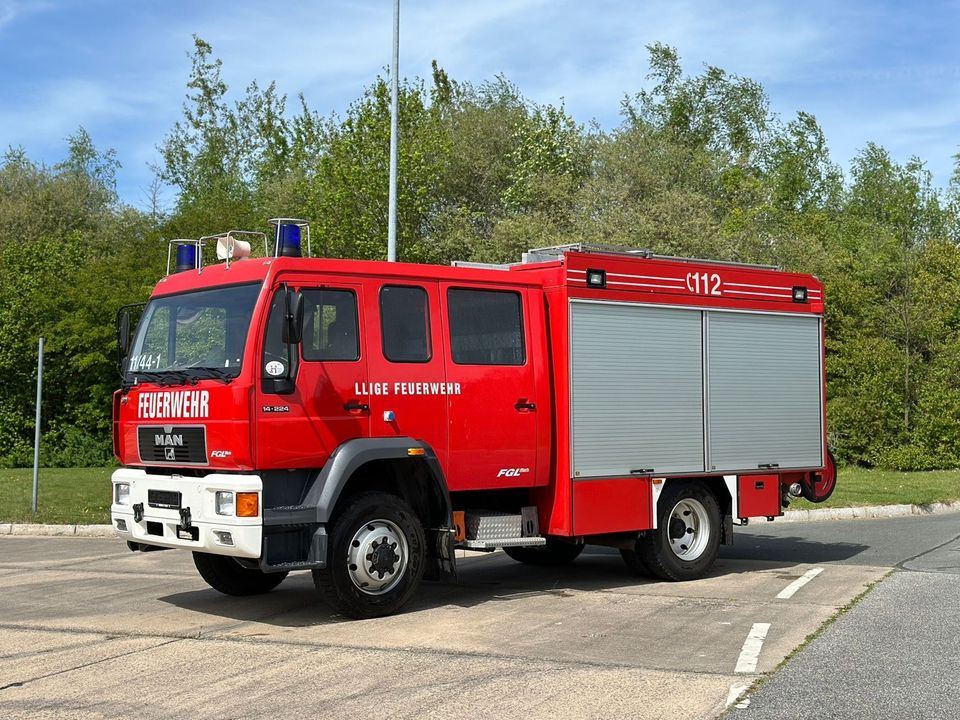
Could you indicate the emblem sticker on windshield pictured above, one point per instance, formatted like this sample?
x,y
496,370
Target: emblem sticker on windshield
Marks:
x,y
274,368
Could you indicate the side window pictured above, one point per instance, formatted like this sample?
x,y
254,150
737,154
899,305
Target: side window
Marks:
x,y
486,327
405,324
330,325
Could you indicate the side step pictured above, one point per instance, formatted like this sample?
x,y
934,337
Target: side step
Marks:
x,y
488,530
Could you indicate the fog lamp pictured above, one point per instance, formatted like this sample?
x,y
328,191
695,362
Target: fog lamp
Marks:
x,y
121,493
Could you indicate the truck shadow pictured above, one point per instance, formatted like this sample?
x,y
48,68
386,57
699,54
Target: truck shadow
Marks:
x,y
496,578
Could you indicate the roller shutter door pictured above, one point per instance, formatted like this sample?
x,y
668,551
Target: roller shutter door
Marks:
x,y
764,390
636,389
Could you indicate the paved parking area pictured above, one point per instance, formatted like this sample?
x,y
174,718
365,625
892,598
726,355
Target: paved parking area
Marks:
x,y
88,629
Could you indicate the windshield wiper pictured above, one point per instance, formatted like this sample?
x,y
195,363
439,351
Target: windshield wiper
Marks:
x,y
215,372
167,377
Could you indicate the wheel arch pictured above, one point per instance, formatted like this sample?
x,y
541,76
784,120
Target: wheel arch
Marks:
x,y
382,464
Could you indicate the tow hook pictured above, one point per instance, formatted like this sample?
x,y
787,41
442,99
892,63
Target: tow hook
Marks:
x,y
185,520
138,512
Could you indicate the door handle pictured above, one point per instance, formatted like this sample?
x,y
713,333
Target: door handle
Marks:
x,y
523,405
351,406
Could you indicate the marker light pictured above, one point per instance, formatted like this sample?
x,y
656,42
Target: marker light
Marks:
x,y
121,493
186,257
799,294
597,278
225,504
289,245
247,504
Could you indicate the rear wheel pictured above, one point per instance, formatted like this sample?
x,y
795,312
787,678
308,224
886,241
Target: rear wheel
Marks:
x,y
226,575
376,561
687,538
554,553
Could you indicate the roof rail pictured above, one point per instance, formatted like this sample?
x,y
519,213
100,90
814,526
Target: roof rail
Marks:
x,y
552,252
481,265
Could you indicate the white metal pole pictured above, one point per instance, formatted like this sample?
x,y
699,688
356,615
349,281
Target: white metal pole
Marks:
x,y
36,432
394,112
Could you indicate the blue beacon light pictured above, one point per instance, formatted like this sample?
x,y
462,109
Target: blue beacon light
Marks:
x,y
186,257
289,240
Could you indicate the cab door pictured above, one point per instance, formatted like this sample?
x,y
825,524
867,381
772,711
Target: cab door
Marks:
x,y
302,428
496,414
407,387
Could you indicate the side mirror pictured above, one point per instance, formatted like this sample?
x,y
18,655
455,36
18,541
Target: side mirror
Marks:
x,y
293,318
127,317
123,331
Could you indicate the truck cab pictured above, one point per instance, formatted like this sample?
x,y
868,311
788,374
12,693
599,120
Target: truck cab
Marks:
x,y
362,419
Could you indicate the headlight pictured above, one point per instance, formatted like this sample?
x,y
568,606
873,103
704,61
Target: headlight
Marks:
x,y
121,493
225,502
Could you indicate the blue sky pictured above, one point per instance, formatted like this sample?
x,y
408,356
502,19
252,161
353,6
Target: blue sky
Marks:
x,y
887,72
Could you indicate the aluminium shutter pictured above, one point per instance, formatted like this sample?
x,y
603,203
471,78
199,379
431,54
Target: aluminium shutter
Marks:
x,y
764,388
636,389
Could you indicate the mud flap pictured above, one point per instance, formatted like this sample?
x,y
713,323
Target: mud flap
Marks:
x,y
443,565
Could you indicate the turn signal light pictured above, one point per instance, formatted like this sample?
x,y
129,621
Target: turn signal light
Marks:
x,y
416,452
247,504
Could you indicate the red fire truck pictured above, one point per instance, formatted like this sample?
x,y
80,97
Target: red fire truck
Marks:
x,y
364,419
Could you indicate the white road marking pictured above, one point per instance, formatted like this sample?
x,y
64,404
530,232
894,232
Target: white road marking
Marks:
x,y
750,654
792,588
736,690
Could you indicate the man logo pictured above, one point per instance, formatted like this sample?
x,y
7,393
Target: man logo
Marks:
x,y
169,453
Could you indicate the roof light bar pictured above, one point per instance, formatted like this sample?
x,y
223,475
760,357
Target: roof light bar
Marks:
x,y
287,237
189,255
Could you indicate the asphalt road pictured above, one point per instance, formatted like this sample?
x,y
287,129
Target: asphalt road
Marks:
x,y
894,654
88,629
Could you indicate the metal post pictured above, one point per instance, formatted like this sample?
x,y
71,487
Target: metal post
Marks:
x,y
394,111
36,433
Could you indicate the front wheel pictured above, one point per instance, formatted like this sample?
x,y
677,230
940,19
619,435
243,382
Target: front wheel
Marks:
x,y
226,575
377,553
687,538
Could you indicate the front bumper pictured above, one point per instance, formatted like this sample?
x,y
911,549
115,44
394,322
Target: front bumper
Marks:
x,y
159,526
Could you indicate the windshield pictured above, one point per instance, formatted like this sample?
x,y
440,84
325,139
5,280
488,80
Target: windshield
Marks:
x,y
192,335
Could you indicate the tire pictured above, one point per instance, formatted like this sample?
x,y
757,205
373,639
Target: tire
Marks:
x,y
554,554
226,575
687,539
369,521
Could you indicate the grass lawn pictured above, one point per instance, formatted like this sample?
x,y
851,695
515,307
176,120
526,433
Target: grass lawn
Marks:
x,y
859,486
67,496
81,496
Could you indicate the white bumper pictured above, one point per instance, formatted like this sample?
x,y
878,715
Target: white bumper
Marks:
x,y
159,526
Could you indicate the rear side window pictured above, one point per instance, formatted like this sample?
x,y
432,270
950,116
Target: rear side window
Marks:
x,y
330,328
486,327
405,324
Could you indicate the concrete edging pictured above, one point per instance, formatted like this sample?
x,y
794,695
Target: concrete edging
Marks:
x,y
849,513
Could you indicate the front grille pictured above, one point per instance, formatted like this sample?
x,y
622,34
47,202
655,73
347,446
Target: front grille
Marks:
x,y
172,444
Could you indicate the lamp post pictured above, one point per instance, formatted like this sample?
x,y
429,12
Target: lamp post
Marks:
x,y
394,111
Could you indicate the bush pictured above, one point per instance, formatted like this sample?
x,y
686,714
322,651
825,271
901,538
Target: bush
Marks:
x,y
913,457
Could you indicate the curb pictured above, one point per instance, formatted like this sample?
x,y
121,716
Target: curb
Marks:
x,y
791,516
869,511
90,531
